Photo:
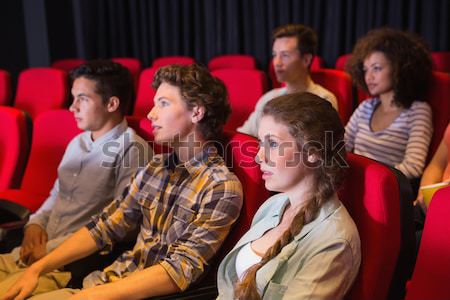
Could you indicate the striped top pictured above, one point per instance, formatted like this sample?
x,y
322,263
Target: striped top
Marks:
x,y
184,211
403,144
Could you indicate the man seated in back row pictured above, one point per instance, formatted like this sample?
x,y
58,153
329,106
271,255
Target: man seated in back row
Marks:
x,y
294,47
96,167
184,202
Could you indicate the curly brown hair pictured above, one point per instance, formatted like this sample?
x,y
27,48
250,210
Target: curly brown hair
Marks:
x,y
199,88
311,121
409,58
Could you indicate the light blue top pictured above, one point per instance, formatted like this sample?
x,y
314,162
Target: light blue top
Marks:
x,y
321,262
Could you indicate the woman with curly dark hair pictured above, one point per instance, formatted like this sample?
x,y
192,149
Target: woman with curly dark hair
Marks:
x,y
394,126
302,244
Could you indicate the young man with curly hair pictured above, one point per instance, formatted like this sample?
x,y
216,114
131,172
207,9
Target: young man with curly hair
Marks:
x,y
184,202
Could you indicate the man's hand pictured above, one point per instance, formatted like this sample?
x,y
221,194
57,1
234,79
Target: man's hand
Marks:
x,y
34,236
24,286
37,253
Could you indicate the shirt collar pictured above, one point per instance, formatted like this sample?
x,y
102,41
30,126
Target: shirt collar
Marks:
x,y
113,134
328,208
204,158
324,212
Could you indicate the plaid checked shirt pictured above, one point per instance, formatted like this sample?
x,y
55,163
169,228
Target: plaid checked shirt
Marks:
x,y
184,211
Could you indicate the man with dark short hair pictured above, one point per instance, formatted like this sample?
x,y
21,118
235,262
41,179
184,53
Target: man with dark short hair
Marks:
x,y
293,50
96,167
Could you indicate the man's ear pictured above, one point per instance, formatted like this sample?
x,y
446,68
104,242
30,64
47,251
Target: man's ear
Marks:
x,y
307,59
113,104
198,112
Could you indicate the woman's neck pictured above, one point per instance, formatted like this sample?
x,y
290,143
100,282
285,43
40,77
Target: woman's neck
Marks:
x,y
387,104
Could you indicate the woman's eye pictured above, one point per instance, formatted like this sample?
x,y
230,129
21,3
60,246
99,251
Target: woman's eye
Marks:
x,y
273,144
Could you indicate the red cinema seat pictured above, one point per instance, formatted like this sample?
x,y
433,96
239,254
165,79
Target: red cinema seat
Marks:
x,y
232,62
431,275
341,61
52,131
240,152
5,88
439,99
41,89
316,64
245,87
441,61
371,195
145,93
67,64
340,84
170,60
14,146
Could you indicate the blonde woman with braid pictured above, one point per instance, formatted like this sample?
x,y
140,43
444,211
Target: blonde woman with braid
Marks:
x,y
302,244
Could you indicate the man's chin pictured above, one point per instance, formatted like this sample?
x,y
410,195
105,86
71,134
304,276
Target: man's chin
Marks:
x,y
280,79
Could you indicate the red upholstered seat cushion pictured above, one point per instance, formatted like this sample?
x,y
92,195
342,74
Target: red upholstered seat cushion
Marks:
x,y
145,93
52,131
41,89
245,87
371,195
232,62
14,146
431,275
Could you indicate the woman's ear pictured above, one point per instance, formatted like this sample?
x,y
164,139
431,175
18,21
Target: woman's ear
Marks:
x,y
113,104
198,112
312,158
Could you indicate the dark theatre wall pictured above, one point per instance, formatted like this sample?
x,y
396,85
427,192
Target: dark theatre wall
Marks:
x,y
37,32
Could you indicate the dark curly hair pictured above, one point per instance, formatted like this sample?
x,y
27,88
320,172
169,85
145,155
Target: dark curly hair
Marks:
x,y
112,79
312,121
199,88
409,58
306,37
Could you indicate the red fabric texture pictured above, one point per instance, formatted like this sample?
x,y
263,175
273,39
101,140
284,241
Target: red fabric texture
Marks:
x,y
5,87
371,196
145,93
67,64
340,84
439,99
431,275
41,89
341,61
14,147
169,60
232,62
441,61
245,87
52,131
240,155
